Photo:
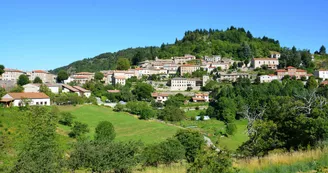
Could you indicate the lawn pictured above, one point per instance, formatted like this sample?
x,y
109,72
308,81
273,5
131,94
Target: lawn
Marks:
x,y
127,127
194,113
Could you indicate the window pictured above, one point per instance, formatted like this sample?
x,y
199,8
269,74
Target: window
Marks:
x,y
45,103
41,103
37,103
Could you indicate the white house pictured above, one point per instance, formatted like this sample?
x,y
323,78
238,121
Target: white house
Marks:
x,y
321,73
11,74
201,97
83,91
69,89
272,63
267,78
20,99
36,88
160,97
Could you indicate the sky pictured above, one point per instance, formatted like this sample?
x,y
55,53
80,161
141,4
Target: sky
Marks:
x,y
38,34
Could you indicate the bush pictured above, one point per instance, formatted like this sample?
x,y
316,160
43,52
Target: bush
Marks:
x,y
148,114
192,141
78,129
171,113
66,118
231,128
166,152
105,131
119,107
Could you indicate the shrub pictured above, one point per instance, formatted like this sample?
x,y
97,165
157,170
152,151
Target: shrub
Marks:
x,y
119,107
105,131
231,128
66,118
192,141
78,129
171,113
147,114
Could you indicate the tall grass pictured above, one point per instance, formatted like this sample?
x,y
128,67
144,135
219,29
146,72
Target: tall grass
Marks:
x,y
174,168
286,162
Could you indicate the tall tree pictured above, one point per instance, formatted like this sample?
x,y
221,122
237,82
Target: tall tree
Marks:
x,y
40,152
322,50
245,51
23,80
105,131
192,141
37,80
99,76
123,64
61,76
143,91
2,69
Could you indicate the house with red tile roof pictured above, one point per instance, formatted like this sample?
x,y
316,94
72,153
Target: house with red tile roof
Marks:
x,y
292,71
160,97
20,99
11,74
201,97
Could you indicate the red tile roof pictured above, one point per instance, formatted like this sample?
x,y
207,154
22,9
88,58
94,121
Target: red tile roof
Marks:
x,y
113,91
159,94
300,70
281,70
12,70
80,89
84,73
269,59
324,82
80,77
70,88
119,77
39,71
290,67
28,95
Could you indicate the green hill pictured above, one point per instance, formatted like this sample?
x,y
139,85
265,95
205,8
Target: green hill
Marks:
x,y
232,42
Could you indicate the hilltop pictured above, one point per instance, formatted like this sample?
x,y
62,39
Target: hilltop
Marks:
x,y
232,42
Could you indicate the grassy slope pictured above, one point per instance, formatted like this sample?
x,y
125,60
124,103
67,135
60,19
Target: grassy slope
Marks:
x,y
212,127
127,127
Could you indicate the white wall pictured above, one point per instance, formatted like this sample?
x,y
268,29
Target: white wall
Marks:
x,y
54,89
33,102
87,94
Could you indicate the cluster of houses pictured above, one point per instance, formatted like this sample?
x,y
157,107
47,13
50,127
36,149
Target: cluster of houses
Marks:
x,y
198,97
13,75
175,66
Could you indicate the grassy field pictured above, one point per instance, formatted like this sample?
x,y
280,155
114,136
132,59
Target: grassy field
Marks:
x,y
214,128
127,127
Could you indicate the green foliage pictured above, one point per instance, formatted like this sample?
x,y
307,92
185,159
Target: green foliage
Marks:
x,y
17,89
37,80
71,99
148,113
104,156
322,50
66,118
119,107
229,43
143,91
123,64
199,73
175,101
171,113
105,131
78,129
99,76
312,83
23,80
2,69
208,161
166,152
231,128
210,86
192,141
2,92
61,76
40,151
290,57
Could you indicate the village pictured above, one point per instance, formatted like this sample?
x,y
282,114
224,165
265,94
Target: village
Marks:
x,y
173,75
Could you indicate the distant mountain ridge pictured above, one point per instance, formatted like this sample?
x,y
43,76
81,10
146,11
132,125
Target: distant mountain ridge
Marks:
x,y
233,42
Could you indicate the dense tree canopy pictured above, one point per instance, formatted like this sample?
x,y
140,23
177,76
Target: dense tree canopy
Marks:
x,y
123,64
37,80
62,75
99,76
23,80
105,131
2,69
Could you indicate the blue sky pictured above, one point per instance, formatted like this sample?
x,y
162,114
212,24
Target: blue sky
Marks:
x,y
38,34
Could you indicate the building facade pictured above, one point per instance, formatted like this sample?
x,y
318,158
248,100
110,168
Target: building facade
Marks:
x,y
20,99
201,97
11,74
188,69
292,72
272,63
321,73
160,97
